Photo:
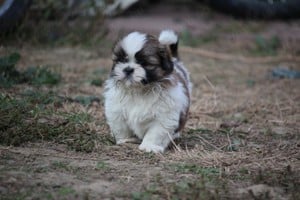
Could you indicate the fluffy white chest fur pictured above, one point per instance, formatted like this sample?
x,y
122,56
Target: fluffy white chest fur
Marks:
x,y
139,106
138,111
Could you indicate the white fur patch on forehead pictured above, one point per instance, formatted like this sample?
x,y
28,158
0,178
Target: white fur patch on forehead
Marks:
x,y
133,43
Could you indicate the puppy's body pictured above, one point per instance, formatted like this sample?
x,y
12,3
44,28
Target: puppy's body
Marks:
x,y
147,96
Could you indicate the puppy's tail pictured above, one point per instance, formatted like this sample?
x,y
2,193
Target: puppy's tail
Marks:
x,y
170,39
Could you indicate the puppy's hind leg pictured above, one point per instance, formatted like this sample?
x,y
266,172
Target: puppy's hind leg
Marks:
x,y
156,140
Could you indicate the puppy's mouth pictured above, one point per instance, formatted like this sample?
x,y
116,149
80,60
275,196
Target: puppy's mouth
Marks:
x,y
144,81
129,76
130,80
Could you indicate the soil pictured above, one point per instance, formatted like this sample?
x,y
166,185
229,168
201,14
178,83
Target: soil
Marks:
x,y
241,140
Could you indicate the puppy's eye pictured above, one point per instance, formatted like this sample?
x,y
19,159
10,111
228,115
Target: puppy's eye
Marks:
x,y
119,55
121,59
142,62
150,67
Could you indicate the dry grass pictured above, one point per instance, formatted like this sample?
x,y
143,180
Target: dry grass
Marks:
x,y
243,131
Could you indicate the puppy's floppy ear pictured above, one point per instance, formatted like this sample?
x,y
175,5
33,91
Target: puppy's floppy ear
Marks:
x,y
165,60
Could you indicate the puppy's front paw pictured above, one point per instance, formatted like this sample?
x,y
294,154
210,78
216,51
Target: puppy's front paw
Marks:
x,y
151,148
128,140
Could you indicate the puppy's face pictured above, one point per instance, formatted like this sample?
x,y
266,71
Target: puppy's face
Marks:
x,y
139,59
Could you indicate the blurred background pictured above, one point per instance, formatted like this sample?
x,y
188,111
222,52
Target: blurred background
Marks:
x,y
254,27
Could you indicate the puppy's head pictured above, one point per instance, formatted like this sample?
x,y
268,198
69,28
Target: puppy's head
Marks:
x,y
139,59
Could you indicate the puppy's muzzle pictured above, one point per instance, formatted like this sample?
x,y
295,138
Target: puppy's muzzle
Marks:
x,y
128,71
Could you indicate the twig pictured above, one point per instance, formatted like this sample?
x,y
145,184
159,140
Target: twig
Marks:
x,y
229,140
214,95
279,109
204,140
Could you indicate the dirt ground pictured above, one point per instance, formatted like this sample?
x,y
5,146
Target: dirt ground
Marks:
x,y
241,140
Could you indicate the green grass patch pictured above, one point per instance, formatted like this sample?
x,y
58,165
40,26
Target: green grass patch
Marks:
x,y
97,82
39,75
50,97
101,165
99,76
196,169
42,98
86,100
8,73
63,191
22,120
266,46
188,39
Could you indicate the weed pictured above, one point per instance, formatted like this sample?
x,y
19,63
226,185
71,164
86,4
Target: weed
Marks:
x,y
42,98
97,82
266,47
9,75
41,75
8,62
141,195
66,191
79,118
86,100
101,165
99,76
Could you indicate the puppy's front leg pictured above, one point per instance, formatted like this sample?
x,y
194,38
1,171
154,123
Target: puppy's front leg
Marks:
x,y
121,132
156,139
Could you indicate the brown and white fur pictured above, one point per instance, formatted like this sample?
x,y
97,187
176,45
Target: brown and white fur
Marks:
x,y
147,95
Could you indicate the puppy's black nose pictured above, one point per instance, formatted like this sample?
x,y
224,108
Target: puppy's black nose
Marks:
x,y
128,70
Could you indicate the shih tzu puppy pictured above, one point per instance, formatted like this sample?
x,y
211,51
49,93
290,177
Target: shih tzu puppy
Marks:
x,y
147,95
